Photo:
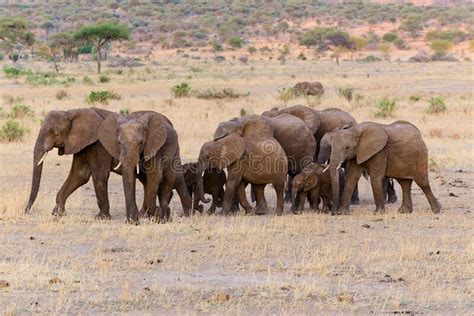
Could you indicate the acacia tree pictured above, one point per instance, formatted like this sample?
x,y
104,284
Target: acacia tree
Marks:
x,y
60,46
101,36
14,31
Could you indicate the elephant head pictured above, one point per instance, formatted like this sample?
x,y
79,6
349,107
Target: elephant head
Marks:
x,y
302,112
130,138
247,126
359,142
325,147
303,182
70,132
222,152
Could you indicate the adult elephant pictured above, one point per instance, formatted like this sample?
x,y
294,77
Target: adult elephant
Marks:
x,y
310,88
291,132
247,148
147,141
74,132
394,150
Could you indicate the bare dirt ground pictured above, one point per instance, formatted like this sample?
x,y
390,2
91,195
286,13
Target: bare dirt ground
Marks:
x,y
390,263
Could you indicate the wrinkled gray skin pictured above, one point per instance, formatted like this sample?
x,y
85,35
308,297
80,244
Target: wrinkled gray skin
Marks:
x,y
314,181
148,142
324,155
247,148
394,150
310,88
74,132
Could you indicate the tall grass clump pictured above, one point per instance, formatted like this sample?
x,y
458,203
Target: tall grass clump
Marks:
x,y
436,105
12,131
102,97
287,94
385,108
181,90
346,92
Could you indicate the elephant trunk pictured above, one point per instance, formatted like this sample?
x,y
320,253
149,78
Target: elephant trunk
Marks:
x,y
324,154
128,180
38,160
200,191
334,187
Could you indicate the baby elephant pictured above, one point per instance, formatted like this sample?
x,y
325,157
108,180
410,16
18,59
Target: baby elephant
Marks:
x,y
211,182
313,182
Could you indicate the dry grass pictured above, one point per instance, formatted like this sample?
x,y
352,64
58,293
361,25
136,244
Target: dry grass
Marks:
x,y
244,264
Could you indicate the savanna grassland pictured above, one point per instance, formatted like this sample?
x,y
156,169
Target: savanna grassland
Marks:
x,y
391,263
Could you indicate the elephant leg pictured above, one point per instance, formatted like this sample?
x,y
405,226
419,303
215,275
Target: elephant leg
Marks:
x,y
314,198
100,181
407,204
350,182
355,196
391,194
261,207
326,204
78,176
376,182
288,188
180,186
297,205
233,181
141,176
216,196
166,187
243,198
279,190
424,184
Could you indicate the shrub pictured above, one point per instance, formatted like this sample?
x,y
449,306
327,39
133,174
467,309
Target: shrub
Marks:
x,y
236,42
301,56
226,93
102,97
437,105
371,59
181,90
124,111
12,131
346,92
415,98
390,37
10,100
11,71
252,50
385,108
244,59
400,44
20,110
62,94
104,79
287,94
87,80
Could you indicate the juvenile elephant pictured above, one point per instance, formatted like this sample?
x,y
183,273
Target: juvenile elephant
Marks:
x,y
194,183
315,182
310,88
147,142
394,150
74,132
247,148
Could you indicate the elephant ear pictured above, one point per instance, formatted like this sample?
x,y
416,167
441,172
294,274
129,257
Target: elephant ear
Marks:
x,y
231,148
108,135
372,140
227,128
85,124
256,126
156,135
311,181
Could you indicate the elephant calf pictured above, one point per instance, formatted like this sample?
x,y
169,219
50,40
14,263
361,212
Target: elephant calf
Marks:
x,y
314,181
310,88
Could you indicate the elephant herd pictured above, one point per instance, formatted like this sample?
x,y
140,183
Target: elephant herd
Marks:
x,y
312,155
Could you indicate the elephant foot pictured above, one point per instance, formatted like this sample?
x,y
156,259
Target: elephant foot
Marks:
x,y
199,208
379,210
211,210
355,201
437,208
260,210
59,210
341,211
102,215
404,209
132,221
392,199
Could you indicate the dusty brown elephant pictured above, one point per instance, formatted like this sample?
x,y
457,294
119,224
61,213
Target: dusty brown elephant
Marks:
x,y
247,148
315,182
324,155
74,132
394,150
310,88
194,183
146,141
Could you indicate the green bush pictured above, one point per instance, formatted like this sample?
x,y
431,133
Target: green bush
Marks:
x,y
11,71
236,42
104,79
124,111
226,93
346,92
385,108
371,59
47,79
20,110
12,131
415,98
87,80
390,37
102,97
437,105
62,94
181,90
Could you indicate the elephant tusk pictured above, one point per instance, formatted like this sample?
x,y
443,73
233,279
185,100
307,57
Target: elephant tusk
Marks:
x,y
138,167
118,165
326,169
339,166
42,158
